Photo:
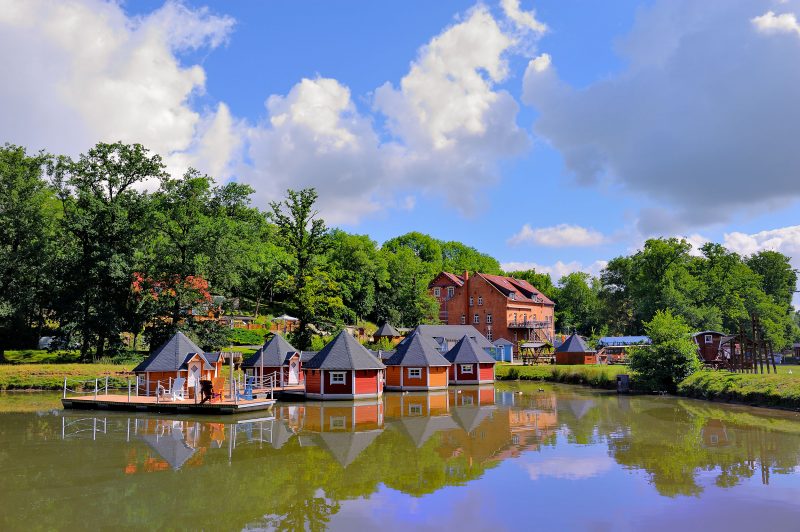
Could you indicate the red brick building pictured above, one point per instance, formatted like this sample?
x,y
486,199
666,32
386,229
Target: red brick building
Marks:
x,y
499,307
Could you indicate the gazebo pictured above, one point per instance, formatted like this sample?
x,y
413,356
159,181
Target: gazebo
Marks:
x,y
387,331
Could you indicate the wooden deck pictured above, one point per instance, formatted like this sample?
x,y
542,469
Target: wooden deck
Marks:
x,y
149,404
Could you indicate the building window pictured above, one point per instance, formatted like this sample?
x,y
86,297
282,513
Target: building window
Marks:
x,y
488,318
489,334
414,373
414,410
515,317
480,300
437,292
476,319
466,368
512,296
450,291
471,301
338,423
337,377
463,320
709,339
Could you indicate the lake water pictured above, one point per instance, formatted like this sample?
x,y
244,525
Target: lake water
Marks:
x,y
513,456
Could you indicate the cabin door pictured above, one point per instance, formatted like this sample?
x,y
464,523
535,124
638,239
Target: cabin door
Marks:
x,y
194,375
294,372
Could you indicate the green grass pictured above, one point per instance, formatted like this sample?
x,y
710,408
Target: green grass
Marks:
x,y
51,376
781,390
594,376
41,356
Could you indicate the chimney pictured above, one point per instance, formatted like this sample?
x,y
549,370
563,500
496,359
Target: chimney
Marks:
x,y
468,318
466,276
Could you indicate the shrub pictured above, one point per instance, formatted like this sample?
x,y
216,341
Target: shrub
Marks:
x,y
670,358
245,336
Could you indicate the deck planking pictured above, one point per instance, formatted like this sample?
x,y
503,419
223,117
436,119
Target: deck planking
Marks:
x,y
149,404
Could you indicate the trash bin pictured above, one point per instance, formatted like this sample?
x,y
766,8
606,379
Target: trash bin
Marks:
x,y
623,383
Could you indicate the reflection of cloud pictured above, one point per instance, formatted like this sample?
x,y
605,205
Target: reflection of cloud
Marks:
x,y
570,468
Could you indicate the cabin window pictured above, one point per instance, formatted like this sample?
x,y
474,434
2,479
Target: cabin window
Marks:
x,y
489,318
476,319
463,320
709,339
338,422
471,301
414,410
480,300
466,368
450,291
337,377
414,373
437,291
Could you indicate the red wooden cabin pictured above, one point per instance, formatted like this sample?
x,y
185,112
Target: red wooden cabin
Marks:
x,y
344,369
469,363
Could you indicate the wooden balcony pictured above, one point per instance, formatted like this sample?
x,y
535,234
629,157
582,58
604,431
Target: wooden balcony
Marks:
x,y
529,324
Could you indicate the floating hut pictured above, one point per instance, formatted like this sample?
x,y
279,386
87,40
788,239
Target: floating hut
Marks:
x,y
387,331
575,351
416,365
470,363
177,357
344,369
276,358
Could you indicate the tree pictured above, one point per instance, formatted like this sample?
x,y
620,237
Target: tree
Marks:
x,y
577,303
360,270
104,221
778,278
305,238
405,300
27,221
670,358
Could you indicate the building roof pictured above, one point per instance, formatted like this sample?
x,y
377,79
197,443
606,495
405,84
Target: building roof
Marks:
x,y
172,355
469,418
440,334
416,352
610,341
344,352
421,428
523,290
455,279
275,352
707,332
346,446
171,447
502,341
386,330
467,351
573,344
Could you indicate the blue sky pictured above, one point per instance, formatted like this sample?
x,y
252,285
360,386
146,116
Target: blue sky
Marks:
x,y
553,134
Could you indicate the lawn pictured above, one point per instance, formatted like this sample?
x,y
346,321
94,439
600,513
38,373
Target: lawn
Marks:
x,y
595,376
51,376
782,390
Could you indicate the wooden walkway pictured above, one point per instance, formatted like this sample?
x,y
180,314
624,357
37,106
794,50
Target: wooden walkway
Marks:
x,y
149,404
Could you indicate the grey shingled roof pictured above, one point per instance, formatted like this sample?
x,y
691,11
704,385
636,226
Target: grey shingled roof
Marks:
x,y
346,446
573,344
344,352
275,353
467,351
386,330
502,341
470,418
416,352
439,333
420,429
171,355
172,447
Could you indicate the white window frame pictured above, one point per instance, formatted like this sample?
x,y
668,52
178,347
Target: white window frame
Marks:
x,y
450,291
437,292
471,301
512,296
337,375
463,319
480,300
489,318
489,334
709,339
476,319
414,373
414,410
466,369
338,423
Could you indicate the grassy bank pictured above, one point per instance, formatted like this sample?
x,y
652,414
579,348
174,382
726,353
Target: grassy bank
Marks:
x,y
594,376
51,376
782,390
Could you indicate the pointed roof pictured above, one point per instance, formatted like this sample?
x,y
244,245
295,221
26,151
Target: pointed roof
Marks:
x,y
441,334
346,446
502,341
469,418
172,447
386,330
467,351
416,352
344,353
573,344
172,355
421,428
275,353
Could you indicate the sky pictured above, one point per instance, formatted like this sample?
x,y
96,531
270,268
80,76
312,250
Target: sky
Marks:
x,y
552,134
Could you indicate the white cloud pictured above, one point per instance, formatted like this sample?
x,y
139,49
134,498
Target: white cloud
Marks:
x,y
561,235
770,23
83,72
523,19
697,241
785,240
703,119
557,270
570,468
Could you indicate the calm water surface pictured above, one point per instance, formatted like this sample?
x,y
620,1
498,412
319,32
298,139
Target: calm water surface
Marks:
x,y
497,458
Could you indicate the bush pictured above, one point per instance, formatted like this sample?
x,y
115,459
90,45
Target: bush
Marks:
x,y
245,336
670,358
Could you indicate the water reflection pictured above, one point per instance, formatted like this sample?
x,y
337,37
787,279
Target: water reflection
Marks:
x,y
295,467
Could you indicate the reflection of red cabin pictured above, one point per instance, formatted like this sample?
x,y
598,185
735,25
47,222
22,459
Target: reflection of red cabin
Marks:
x,y
708,344
469,363
416,365
344,369
277,358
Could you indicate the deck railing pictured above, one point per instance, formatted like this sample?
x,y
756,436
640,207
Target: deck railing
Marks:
x,y
529,324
